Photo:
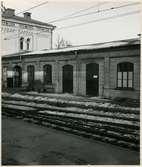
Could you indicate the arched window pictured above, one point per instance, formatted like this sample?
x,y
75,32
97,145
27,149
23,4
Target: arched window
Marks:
x,y
21,43
125,75
28,43
47,74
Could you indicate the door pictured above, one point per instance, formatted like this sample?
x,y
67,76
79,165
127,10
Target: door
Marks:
x,y
47,74
92,79
68,79
17,77
31,73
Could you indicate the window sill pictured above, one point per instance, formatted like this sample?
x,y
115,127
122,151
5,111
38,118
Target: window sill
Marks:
x,y
127,89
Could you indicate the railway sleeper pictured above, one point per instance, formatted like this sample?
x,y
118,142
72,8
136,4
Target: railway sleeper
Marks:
x,y
67,104
88,134
53,108
42,116
79,127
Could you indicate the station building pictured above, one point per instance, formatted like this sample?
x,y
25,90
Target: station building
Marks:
x,y
20,34
109,70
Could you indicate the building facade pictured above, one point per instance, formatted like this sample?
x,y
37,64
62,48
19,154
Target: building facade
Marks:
x,y
108,70
21,34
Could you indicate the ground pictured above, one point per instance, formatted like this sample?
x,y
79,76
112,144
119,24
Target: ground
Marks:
x,y
25,143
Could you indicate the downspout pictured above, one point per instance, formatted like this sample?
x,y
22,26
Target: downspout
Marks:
x,y
20,57
77,70
51,40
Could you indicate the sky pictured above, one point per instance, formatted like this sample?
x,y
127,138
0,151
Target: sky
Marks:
x,y
94,32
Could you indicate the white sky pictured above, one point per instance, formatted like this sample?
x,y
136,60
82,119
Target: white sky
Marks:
x,y
108,30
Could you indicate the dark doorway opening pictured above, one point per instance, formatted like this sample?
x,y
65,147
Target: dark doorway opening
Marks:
x,y
68,79
31,76
17,77
47,74
9,82
92,79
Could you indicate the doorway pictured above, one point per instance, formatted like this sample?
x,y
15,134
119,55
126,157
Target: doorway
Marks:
x,y
92,79
31,76
17,77
68,79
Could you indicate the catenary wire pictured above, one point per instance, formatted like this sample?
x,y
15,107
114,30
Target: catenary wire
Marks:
x,y
95,12
82,10
102,19
79,11
43,3
97,19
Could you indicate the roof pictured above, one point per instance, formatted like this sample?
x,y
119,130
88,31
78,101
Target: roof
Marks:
x,y
89,47
112,44
27,20
16,54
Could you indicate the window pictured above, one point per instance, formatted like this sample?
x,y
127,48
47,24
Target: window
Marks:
x,y
4,72
125,75
47,74
4,77
28,43
21,43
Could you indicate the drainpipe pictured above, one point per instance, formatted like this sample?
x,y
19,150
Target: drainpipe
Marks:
x,y
51,40
77,70
20,57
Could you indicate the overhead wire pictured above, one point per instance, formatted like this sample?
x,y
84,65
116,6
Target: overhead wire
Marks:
x,y
65,16
82,10
43,3
77,12
95,12
98,20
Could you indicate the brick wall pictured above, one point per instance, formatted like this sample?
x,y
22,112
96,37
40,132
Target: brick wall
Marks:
x,y
107,61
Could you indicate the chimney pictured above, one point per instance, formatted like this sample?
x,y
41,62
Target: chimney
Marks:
x,y
27,15
9,12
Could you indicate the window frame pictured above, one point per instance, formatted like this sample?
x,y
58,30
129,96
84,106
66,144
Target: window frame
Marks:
x,y
28,43
22,43
127,76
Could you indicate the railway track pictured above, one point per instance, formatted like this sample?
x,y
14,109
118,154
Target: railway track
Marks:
x,y
117,127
